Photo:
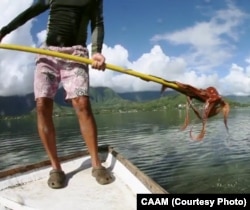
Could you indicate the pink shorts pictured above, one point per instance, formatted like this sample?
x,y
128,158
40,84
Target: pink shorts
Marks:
x,y
50,71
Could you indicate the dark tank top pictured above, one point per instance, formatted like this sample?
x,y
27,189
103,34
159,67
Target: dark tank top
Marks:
x,y
67,23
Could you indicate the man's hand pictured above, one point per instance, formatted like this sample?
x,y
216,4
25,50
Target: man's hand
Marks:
x,y
98,61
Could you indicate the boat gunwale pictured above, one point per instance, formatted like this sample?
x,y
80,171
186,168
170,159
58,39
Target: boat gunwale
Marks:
x,y
149,183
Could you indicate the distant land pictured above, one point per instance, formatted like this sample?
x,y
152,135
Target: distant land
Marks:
x,y
106,98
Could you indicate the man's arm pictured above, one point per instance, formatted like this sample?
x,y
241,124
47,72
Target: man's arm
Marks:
x,y
39,7
97,27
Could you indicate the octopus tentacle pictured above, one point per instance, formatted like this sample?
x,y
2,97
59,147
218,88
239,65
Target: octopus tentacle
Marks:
x,y
214,104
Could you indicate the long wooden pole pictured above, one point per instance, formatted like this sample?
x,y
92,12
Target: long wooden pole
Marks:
x,y
79,59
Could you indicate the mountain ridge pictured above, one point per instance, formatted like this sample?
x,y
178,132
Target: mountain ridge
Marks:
x,y
99,96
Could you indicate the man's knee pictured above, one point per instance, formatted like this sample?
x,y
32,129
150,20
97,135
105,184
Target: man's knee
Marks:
x,y
82,104
44,105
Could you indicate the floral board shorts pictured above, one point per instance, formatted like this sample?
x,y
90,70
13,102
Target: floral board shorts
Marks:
x,y
51,71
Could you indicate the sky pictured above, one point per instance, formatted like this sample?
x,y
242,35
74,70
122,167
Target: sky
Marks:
x,y
198,42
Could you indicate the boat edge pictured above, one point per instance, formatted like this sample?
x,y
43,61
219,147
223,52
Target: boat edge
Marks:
x,y
149,183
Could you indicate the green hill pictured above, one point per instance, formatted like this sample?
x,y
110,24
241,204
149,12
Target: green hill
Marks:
x,y
104,99
239,99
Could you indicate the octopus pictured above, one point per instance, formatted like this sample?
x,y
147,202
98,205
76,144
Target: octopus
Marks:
x,y
213,104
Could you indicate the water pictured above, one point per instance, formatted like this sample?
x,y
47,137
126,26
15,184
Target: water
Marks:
x,y
154,143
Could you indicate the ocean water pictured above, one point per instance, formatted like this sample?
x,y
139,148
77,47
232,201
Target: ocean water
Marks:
x,y
154,142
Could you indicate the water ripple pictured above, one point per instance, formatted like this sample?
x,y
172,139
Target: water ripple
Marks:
x,y
155,144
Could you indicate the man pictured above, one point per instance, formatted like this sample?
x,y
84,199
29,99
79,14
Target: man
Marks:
x,y
66,33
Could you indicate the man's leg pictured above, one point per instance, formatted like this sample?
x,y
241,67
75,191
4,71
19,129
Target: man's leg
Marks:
x,y
45,86
75,80
46,132
87,126
46,129
89,133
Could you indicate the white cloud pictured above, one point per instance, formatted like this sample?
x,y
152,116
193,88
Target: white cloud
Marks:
x,y
210,42
206,39
237,81
16,69
41,37
154,63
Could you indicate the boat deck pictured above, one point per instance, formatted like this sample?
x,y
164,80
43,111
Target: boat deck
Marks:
x,y
81,192
30,190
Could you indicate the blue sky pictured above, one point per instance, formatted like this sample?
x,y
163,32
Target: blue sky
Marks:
x,y
199,42
133,23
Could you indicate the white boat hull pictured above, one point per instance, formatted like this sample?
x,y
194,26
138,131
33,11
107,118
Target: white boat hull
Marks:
x,y
29,189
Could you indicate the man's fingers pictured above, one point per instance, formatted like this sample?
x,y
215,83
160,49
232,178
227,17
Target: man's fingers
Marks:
x,y
98,62
98,65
